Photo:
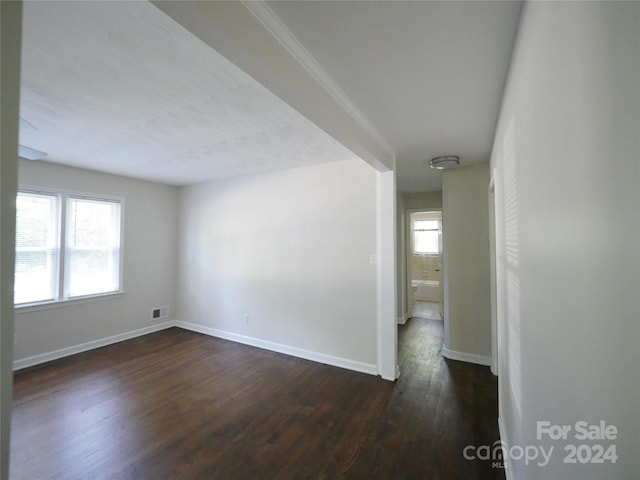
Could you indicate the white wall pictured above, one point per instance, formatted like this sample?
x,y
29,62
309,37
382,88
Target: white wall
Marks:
x,y
150,247
292,250
421,200
467,291
568,224
10,27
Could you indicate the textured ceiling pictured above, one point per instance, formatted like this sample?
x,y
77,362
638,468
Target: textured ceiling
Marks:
x,y
120,87
428,75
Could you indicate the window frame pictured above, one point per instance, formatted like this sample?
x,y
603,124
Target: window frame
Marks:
x,y
55,233
62,202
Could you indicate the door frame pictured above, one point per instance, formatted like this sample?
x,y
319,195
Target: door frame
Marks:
x,y
407,259
493,274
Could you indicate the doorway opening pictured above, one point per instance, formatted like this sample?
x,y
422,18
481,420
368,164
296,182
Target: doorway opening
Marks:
x,y
424,265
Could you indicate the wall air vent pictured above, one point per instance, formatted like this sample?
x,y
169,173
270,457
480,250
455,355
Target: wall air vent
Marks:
x,y
159,313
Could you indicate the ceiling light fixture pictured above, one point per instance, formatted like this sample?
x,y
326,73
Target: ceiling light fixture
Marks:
x,y
444,162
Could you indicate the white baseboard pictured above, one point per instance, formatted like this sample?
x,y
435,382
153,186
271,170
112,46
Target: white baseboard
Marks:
x,y
402,320
370,369
508,467
83,347
467,357
280,348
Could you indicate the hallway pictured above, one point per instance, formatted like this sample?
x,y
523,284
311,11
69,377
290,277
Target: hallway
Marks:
x,y
427,310
453,404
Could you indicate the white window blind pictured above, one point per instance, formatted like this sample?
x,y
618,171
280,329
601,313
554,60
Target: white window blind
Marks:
x,y
92,247
36,275
426,237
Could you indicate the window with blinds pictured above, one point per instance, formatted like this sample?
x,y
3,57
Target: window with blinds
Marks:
x,y
92,244
67,246
37,248
426,237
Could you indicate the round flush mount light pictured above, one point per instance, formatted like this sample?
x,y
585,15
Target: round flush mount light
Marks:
x,y
445,161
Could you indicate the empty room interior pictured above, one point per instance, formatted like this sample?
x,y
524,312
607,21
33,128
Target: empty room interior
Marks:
x,y
317,239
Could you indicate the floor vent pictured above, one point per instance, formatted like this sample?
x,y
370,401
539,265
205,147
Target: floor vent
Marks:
x,y
159,313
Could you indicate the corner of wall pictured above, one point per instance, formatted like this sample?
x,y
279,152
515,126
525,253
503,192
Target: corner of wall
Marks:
x,y
466,263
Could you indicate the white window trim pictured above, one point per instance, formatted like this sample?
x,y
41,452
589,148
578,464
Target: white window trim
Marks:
x,y
50,304
63,195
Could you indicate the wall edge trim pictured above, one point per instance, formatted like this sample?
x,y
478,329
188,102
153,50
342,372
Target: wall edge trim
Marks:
x,y
92,345
466,357
354,365
332,360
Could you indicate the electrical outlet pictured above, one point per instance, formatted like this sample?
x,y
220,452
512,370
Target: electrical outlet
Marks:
x,y
245,318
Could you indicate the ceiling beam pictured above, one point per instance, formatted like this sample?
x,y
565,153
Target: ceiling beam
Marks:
x,y
282,66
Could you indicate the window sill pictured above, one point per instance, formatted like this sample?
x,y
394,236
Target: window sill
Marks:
x,y
35,307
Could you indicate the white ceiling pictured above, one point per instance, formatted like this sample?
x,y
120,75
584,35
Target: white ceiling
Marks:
x,y
121,87
428,75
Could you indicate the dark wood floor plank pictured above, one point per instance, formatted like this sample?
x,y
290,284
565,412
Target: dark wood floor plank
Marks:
x,y
180,405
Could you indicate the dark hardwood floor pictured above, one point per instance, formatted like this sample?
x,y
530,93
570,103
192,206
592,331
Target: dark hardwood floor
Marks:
x,y
177,404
